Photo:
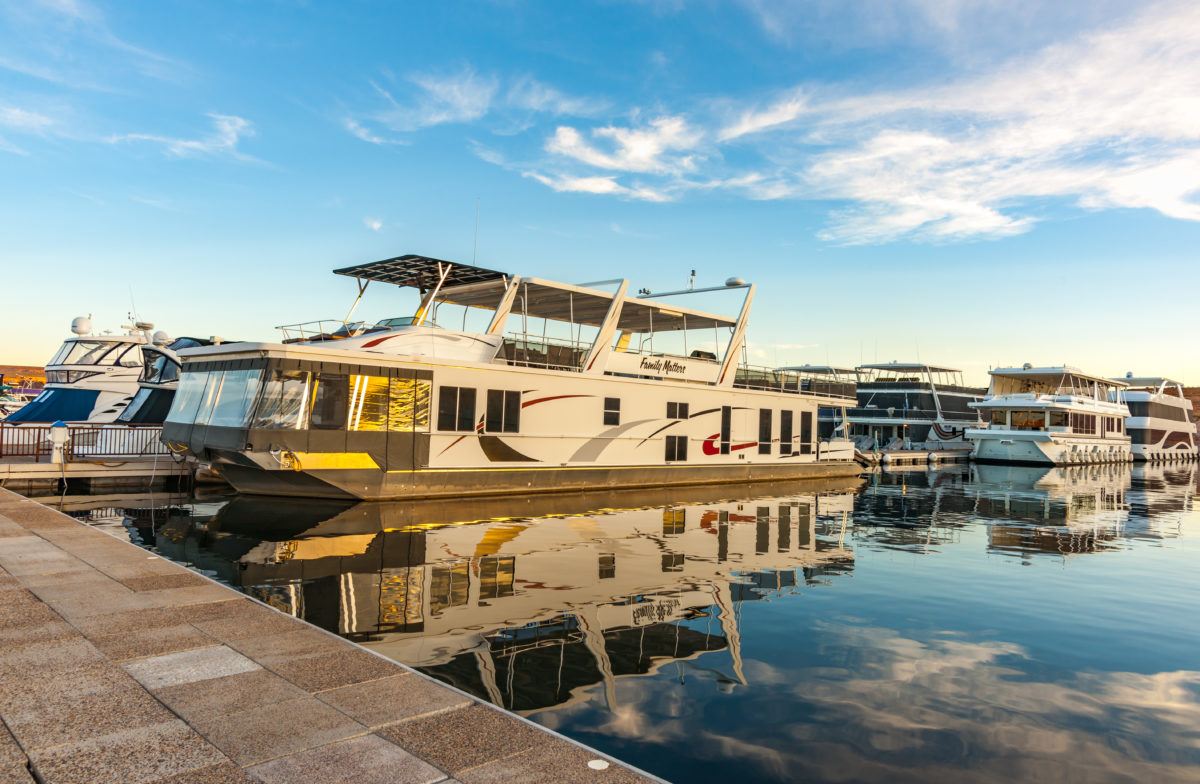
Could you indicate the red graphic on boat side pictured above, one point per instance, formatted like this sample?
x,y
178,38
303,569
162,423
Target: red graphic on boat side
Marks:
x,y
710,447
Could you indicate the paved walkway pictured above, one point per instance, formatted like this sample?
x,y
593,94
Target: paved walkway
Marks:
x,y
119,666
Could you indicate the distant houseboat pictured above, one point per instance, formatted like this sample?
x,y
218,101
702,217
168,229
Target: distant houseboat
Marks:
x,y
634,392
1161,425
1052,416
911,405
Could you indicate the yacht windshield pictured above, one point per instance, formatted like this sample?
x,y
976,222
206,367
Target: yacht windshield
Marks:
x,y
98,352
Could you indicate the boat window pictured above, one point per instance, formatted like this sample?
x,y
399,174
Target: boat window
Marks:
x,y
677,448
211,391
1028,420
1083,423
456,409
188,397
785,432
999,418
281,406
236,397
806,432
328,409
503,411
1157,410
726,425
408,405
612,411
1057,418
130,356
368,403
677,410
764,431
87,352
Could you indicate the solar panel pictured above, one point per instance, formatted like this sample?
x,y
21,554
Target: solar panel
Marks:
x,y
420,272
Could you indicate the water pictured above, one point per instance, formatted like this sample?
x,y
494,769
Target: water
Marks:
x,y
973,624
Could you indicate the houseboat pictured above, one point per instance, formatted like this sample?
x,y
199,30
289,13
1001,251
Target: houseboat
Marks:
x,y
1052,416
626,392
1160,424
92,377
911,405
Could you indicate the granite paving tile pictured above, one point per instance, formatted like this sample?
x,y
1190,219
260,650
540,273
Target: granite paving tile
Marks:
x,y
463,738
131,756
223,773
86,709
184,595
158,581
228,694
51,656
200,664
367,759
392,699
552,761
269,731
246,622
13,764
153,641
331,670
287,646
13,635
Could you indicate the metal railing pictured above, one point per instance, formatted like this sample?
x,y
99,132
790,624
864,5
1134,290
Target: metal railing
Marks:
x,y
85,442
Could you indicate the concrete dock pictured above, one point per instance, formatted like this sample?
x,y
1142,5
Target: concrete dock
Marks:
x,y
119,666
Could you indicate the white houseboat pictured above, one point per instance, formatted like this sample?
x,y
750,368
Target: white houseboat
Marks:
x,y
1160,424
92,377
911,405
421,407
1051,416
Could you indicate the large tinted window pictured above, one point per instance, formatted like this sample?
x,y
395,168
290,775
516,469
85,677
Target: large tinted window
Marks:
x,y
1028,420
408,405
188,397
235,398
329,402
282,403
368,403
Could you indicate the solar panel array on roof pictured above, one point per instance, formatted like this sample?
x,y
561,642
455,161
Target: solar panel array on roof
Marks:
x,y
420,272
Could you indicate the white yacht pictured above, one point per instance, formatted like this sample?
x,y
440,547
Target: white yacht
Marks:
x,y
628,392
1051,416
1160,424
911,405
92,377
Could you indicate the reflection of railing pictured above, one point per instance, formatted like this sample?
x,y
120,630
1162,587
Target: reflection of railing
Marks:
x,y
85,441
924,414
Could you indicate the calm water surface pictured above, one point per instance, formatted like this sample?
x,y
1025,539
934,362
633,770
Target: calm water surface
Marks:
x,y
981,624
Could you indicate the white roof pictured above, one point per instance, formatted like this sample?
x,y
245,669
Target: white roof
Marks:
x,y
1052,375
908,366
1147,381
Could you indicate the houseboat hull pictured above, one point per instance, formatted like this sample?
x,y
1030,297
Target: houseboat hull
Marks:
x,y
1036,448
376,485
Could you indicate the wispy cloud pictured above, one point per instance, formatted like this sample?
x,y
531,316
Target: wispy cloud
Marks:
x,y
427,99
228,131
70,43
1106,119
374,224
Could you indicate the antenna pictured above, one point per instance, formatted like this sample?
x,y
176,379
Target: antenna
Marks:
x,y
475,245
692,280
133,316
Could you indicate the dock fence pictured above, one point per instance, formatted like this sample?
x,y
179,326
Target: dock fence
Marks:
x,y
86,441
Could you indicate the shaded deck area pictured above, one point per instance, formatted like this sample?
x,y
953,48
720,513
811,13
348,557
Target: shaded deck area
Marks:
x,y
117,665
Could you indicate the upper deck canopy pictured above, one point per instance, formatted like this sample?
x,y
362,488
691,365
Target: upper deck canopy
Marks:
x,y
819,370
1047,376
908,367
479,287
420,272
1148,382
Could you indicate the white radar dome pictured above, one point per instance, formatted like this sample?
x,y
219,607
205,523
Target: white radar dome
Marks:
x,y
161,338
81,325
735,282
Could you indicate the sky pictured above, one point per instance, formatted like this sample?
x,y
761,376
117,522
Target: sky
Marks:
x,y
964,183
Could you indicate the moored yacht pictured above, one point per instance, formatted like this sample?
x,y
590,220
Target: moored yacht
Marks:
x,y
91,378
911,405
1160,422
1052,416
415,407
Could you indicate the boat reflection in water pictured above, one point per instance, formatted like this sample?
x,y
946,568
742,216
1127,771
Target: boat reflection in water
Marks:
x,y
584,589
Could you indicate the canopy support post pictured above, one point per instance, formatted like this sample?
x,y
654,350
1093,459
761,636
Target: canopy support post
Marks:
x,y
602,345
736,342
362,289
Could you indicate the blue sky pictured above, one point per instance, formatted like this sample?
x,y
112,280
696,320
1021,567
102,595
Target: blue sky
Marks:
x,y
966,183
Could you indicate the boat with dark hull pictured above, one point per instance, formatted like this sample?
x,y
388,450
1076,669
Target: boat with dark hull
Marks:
x,y
639,393
911,405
